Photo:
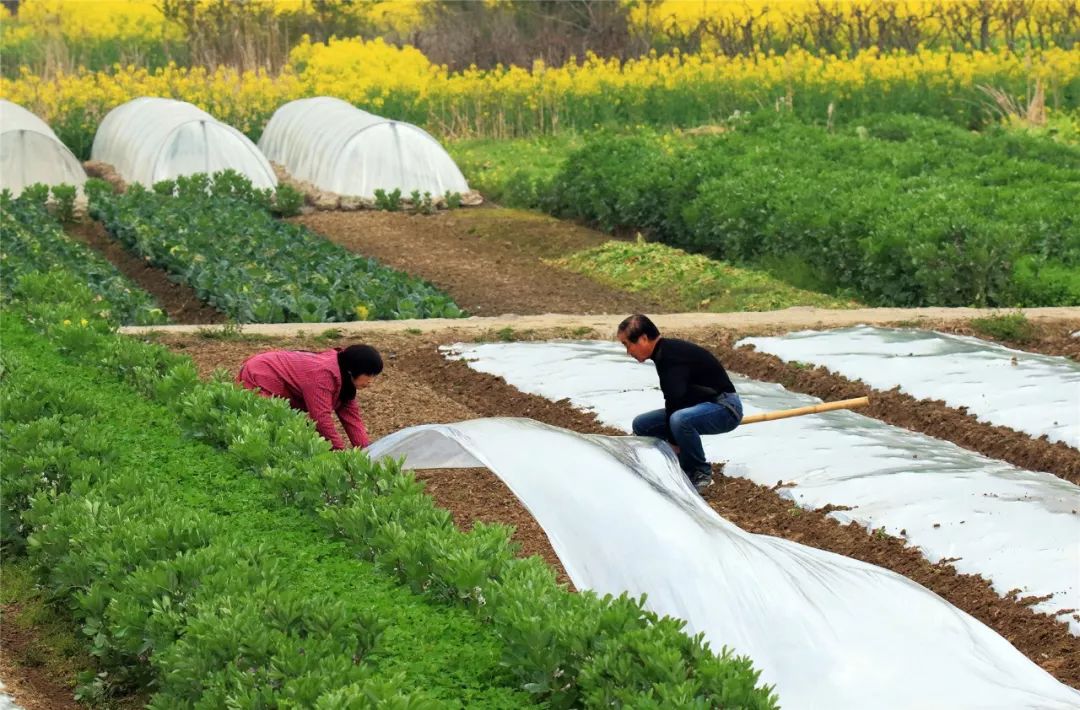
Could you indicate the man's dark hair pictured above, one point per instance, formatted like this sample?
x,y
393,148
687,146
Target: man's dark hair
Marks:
x,y
638,325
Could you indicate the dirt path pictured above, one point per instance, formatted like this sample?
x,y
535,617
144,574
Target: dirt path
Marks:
x,y
177,300
756,322
488,260
28,679
420,386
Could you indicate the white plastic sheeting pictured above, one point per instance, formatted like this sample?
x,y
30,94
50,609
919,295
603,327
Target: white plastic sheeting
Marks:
x,y
342,149
1031,393
1018,529
829,631
151,139
30,152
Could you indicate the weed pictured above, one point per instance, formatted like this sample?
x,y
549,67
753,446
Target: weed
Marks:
x,y
233,332
413,331
228,331
1014,327
330,334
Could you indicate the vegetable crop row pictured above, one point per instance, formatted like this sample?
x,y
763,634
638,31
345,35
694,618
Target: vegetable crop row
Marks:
x,y
31,240
216,234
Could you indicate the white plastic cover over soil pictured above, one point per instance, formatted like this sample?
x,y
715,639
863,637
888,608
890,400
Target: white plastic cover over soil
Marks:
x,y
345,150
1018,529
1031,393
151,139
30,153
829,631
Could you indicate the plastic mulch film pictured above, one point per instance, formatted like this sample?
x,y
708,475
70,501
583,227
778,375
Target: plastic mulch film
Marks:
x,y
1031,393
1018,529
827,630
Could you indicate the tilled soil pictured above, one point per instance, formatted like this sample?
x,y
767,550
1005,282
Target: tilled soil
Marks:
x,y
488,260
177,300
420,386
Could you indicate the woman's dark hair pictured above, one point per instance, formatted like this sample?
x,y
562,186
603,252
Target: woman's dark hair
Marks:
x,y
354,361
638,325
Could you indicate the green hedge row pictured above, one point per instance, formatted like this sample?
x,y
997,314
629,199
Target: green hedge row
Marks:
x,y
567,649
31,240
897,210
216,234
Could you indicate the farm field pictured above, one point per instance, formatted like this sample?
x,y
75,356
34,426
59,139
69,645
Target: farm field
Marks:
x,y
459,252
422,387
839,199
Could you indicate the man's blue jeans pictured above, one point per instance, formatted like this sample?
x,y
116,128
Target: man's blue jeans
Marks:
x,y
687,425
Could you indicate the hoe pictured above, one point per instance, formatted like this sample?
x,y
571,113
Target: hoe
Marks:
x,y
799,411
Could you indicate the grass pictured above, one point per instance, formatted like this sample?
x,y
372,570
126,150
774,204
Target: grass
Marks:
x,y
690,282
509,171
1011,327
52,645
229,331
331,334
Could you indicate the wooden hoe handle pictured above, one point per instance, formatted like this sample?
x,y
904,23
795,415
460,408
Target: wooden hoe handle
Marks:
x,y
814,409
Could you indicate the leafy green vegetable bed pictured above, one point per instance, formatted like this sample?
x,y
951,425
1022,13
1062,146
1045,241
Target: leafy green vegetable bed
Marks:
x,y
218,236
30,240
188,574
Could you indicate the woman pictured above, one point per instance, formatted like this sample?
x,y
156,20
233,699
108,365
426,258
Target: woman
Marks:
x,y
319,384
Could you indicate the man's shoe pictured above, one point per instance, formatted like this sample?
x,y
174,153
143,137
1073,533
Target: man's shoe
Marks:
x,y
701,481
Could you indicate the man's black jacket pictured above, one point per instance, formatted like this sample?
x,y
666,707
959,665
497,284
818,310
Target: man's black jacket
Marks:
x,y
689,374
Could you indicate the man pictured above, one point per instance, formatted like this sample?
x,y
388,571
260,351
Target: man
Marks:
x,y
320,384
698,395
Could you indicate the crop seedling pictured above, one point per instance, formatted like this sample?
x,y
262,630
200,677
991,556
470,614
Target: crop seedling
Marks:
x,y
389,201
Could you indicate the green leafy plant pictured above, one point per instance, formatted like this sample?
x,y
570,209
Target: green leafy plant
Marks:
x,y
64,203
287,201
391,202
422,204
1010,327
